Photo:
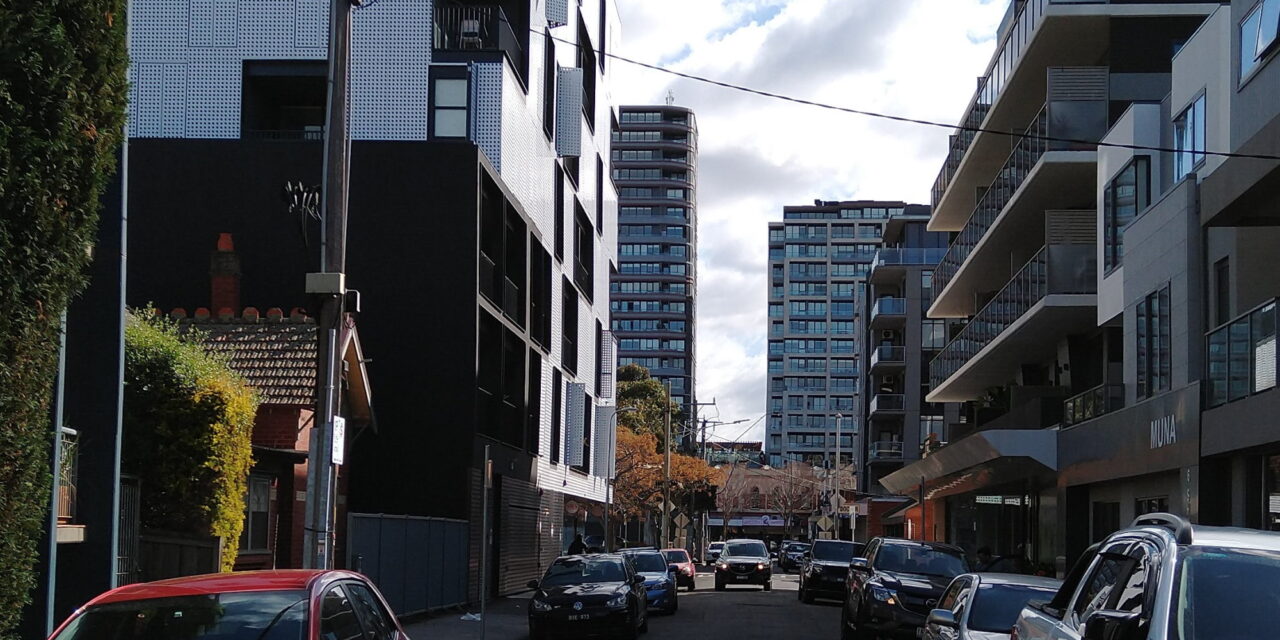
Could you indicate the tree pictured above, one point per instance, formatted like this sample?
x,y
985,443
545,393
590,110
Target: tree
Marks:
x,y
188,429
640,469
731,497
62,99
794,494
639,391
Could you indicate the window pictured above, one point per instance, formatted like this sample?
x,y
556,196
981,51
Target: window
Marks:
x,y
557,209
284,99
1097,590
549,69
375,616
1143,506
569,328
257,516
1153,338
1188,139
557,418
1257,35
587,62
1222,290
1123,198
584,253
600,178
933,334
533,405
338,620
449,108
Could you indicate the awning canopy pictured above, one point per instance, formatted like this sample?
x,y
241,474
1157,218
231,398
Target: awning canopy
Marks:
x,y
982,459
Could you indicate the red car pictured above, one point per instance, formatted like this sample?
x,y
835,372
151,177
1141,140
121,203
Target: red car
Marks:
x,y
253,605
685,569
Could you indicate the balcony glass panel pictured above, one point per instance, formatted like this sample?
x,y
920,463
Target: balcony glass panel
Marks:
x,y
889,307
888,354
910,257
887,402
886,449
1242,356
1095,402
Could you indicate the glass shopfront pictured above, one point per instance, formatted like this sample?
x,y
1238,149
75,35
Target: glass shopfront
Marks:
x,y
1272,517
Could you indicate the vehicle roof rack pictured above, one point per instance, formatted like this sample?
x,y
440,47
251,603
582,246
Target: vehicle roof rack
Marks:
x,y
1178,525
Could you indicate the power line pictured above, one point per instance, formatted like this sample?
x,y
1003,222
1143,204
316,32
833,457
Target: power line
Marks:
x,y
905,119
743,433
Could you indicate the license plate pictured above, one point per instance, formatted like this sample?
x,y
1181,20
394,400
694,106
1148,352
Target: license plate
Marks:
x,y
743,577
580,616
839,578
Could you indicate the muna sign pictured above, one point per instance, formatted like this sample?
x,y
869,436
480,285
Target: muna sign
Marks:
x,y
1164,432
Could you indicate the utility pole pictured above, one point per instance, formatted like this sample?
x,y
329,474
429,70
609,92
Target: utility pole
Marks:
x,y
666,471
329,286
835,499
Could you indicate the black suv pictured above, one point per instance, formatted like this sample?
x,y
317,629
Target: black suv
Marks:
x,y
1163,578
744,562
891,591
825,567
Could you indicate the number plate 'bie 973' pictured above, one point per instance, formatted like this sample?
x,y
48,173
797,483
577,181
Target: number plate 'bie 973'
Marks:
x,y
580,616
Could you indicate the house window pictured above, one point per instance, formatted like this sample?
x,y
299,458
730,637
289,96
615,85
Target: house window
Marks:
x,y
549,68
1126,195
257,515
600,178
933,334
449,108
569,327
1188,139
284,99
1153,343
1257,35
1143,506
557,418
587,62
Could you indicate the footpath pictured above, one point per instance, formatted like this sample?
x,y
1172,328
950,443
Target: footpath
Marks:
x,y
507,618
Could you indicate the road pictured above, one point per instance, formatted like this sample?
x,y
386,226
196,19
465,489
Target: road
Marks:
x,y
740,613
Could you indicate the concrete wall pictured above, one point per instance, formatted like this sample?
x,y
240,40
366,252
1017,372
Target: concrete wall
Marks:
x,y
1140,125
1254,102
1200,68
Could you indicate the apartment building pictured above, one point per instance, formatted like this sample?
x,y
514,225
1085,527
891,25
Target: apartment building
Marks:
x,y
653,296
482,233
1052,331
819,258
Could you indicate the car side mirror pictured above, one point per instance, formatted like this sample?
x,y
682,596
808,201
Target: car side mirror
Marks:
x,y
673,568
860,564
943,618
1110,624
533,584
637,580
807,555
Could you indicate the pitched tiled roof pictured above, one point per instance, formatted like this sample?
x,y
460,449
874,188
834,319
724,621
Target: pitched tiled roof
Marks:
x,y
277,356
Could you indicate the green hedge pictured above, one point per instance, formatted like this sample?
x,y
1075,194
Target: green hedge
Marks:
x,y
188,425
62,98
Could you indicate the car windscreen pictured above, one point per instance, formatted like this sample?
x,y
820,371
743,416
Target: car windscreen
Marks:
x,y
834,551
255,615
753,549
798,547
717,545
919,559
1227,594
649,562
569,571
677,555
996,606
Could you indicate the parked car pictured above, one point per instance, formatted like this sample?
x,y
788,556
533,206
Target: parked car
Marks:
x,y
686,570
791,558
1163,578
659,579
891,590
744,562
713,552
984,606
588,594
825,568
250,605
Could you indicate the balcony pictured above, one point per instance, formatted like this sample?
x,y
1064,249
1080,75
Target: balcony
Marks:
x,y
1241,356
887,403
887,358
888,312
1053,295
1038,34
1095,402
885,450
888,266
1037,175
463,31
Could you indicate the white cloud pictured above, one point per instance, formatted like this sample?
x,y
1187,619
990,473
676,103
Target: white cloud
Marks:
x,y
917,58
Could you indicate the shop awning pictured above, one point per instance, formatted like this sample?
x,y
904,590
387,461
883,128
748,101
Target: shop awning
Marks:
x,y
981,459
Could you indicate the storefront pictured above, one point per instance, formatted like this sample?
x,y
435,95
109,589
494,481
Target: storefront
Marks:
x,y
1141,459
1241,464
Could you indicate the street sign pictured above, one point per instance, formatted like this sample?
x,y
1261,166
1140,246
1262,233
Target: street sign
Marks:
x,y
682,521
339,440
825,523
671,508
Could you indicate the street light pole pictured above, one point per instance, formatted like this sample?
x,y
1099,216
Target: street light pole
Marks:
x,y
608,481
666,470
835,499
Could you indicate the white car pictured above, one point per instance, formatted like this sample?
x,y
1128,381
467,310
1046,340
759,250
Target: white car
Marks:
x,y
713,552
984,606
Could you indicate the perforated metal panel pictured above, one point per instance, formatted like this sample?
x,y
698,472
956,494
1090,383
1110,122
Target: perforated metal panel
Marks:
x,y
575,410
608,365
557,13
1077,83
602,441
486,125
310,19
569,112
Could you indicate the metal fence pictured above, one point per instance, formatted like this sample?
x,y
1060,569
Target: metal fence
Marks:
x,y
419,564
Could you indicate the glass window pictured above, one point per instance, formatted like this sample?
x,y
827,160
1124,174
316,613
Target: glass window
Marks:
x,y
583,570
1202,608
1189,139
933,334
450,100
1097,590
257,514
1267,29
338,619
1249,41
1123,198
260,615
1153,344
374,615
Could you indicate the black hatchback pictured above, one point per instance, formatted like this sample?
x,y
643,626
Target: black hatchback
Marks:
x,y
599,594
744,562
892,590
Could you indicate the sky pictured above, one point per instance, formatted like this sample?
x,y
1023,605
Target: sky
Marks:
x,y
916,58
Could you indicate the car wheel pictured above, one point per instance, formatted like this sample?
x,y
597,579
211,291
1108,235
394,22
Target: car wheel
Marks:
x,y
675,606
845,632
768,585
692,585
806,596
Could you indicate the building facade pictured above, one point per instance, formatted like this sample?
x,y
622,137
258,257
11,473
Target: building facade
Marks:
x,y
653,296
819,260
482,233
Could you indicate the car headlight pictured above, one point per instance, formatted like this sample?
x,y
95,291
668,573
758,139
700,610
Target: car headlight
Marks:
x,y
887,596
760,565
721,565
539,605
618,602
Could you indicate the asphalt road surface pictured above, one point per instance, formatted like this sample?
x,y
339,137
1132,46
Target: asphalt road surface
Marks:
x,y
739,613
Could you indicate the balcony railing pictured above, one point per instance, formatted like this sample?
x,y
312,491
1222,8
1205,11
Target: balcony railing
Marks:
x,y
477,28
907,257
1242,356
68,472
888,307
1025,20
1095,402
887,402
1056,269
888,354
1026,153
886,450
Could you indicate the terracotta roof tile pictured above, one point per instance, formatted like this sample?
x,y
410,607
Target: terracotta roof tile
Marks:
x,y
276,358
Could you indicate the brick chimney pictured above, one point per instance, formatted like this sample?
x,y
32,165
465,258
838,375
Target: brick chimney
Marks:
x,y
224,276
